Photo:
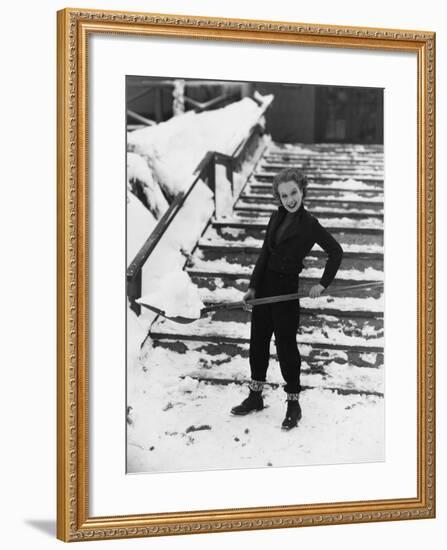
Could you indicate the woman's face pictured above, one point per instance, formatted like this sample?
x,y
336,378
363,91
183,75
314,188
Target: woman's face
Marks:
x,y
290,195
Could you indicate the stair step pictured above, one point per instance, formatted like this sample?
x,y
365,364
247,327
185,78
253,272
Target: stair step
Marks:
x,y
312,320
304,387
315,149
346,149
255,227
315,159
353,316
327,304
213,355
320,211
247,256
350,200
247,234
318,151
324,369
321,177
351,322
224,267
254,246
239,281
219,331
321,166
364,190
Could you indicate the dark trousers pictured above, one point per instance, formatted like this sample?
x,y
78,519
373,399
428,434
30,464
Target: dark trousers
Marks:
x,y
281,320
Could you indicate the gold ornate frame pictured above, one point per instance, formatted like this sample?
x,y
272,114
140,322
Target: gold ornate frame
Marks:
x,y
74,522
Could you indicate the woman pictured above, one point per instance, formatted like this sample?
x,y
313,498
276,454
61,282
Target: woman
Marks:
x,y
291,233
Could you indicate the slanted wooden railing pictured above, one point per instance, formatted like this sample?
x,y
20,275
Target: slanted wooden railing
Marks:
x,y
214,169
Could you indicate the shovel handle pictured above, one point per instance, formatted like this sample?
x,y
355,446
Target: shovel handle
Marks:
x,y
281,298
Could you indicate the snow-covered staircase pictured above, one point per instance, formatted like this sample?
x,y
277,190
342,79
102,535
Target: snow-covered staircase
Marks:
x,y
341,336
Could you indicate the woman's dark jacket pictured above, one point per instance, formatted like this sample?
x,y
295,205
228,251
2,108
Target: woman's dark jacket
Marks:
x,y
288,254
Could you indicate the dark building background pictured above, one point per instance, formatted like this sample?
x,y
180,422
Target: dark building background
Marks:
x,y
300,113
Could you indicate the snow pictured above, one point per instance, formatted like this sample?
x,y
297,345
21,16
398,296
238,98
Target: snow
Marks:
x,y
194,430
138,171
368,274
300,150
344,304
179,239
315,208
223,266
338,223
173,149
239,331
368,358
140,224
350,183
343,196
349,196
349,211
369,223
136,334
177,146
253,242
176,296
231,294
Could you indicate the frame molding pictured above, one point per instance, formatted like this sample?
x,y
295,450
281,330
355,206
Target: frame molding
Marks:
x,y
73,521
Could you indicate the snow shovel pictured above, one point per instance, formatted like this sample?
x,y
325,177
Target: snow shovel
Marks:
x,y
254,302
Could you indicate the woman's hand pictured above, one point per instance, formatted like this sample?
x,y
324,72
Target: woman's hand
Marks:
x,y
316,291
249,295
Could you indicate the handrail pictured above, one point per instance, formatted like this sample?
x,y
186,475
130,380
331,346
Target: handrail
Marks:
x,y
140,118
200,106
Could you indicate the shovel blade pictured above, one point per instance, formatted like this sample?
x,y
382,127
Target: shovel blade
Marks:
x,y
176,319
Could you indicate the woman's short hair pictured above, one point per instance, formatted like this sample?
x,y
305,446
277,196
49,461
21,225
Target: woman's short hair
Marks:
x,y
290,174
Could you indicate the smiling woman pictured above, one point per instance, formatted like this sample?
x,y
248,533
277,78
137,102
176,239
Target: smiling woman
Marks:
x,y
291,234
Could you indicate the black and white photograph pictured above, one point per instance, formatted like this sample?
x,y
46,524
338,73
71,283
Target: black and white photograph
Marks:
x,y
255,275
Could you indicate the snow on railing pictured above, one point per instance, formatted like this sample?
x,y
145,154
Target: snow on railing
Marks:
x,y
217,172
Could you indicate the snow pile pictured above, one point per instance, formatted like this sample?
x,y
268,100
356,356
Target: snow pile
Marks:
x,y
141,181
171,253
166,155
177,296
174,148
140,224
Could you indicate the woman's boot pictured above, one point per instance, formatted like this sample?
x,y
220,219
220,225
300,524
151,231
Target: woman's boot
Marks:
x,y
293,413
253,402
